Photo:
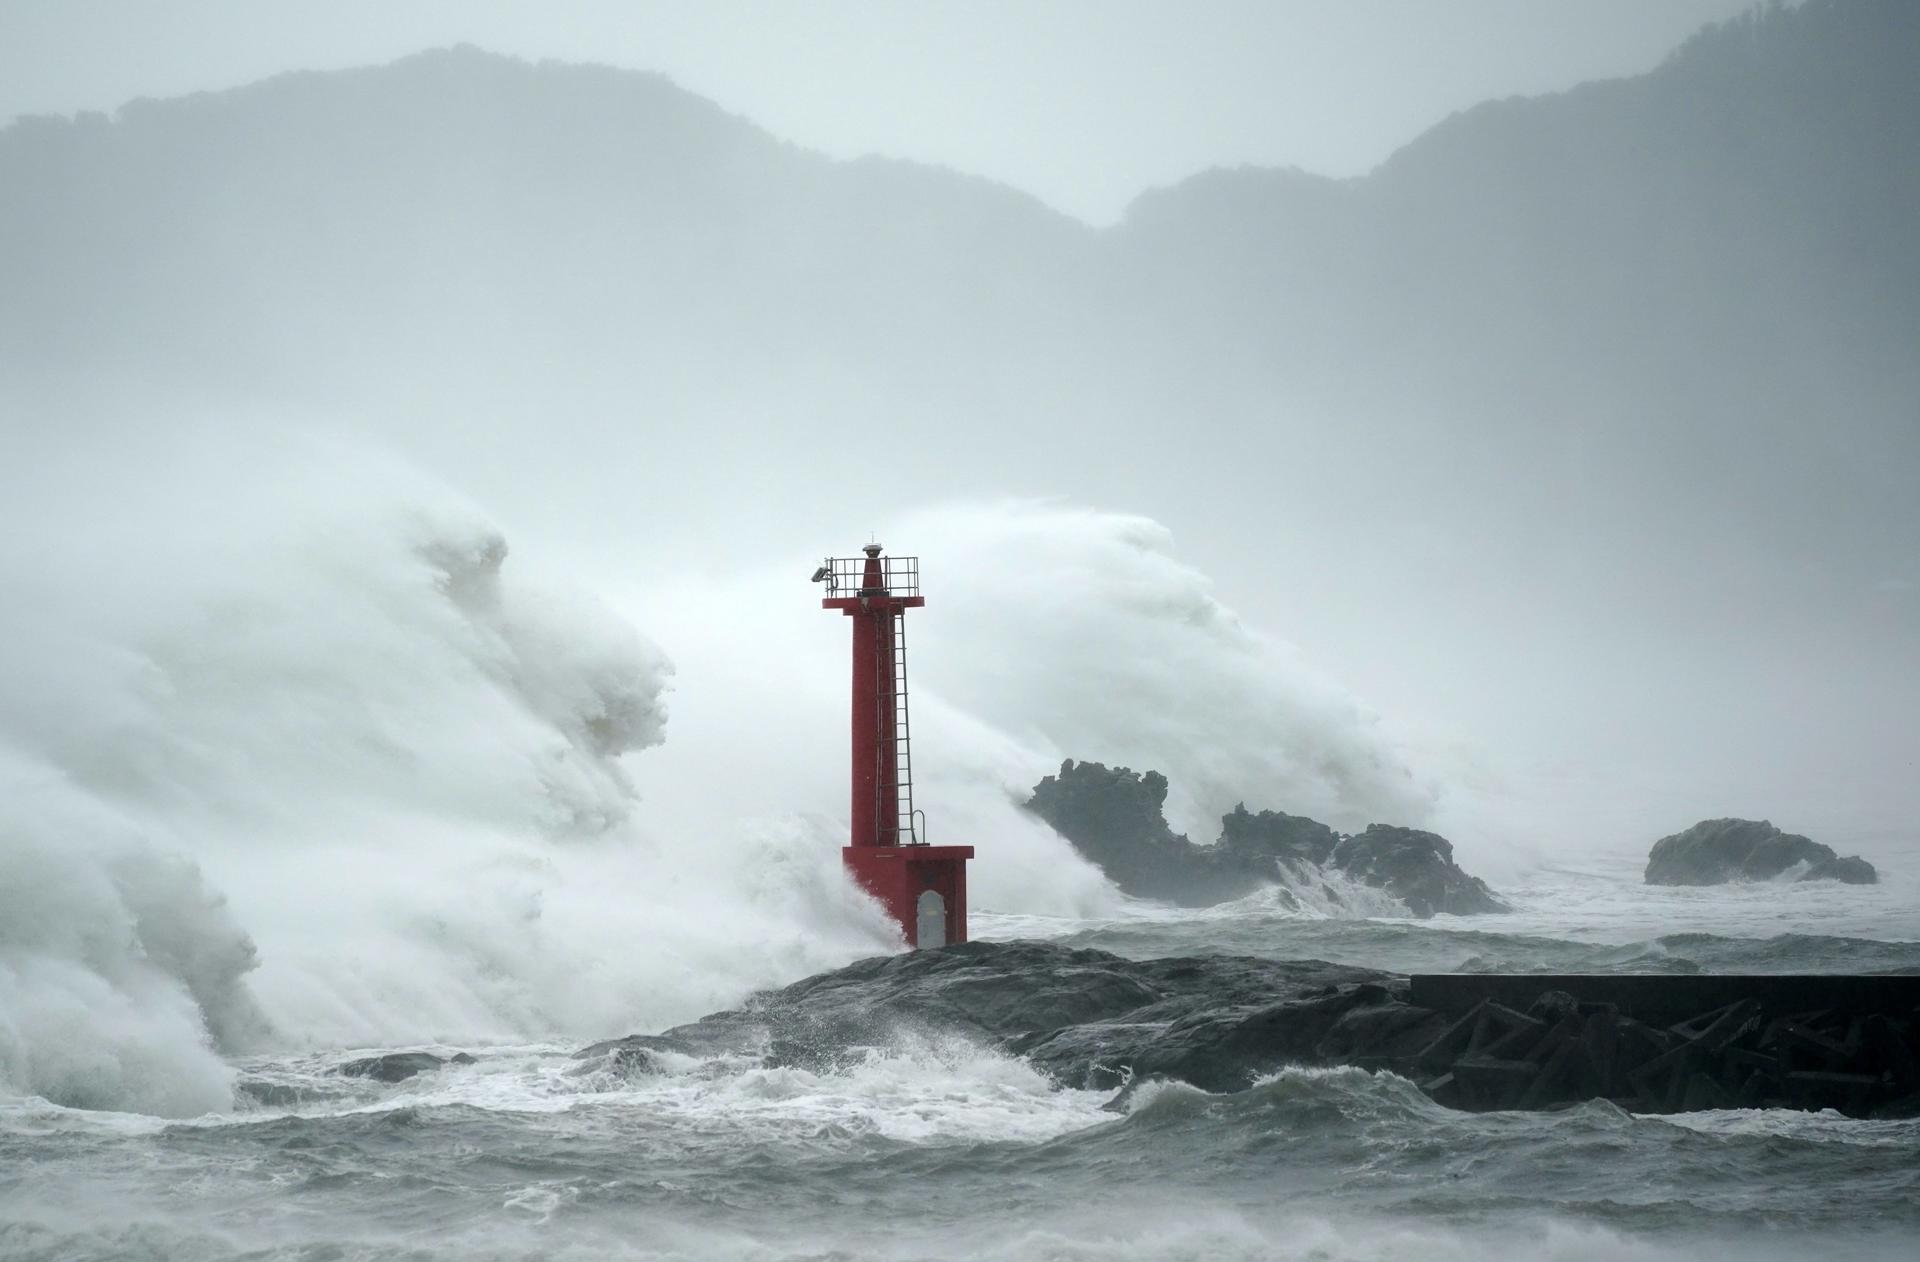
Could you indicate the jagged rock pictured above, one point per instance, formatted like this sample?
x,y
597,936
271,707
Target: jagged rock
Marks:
x,y
1717,851
1256,840
1415,867
1116,818
1852,870
393,1066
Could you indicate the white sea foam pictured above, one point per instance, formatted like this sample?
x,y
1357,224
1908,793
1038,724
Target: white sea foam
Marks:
x,y
1050,632
297,751
308,714
1084,630
117,965
917,1089
1604,900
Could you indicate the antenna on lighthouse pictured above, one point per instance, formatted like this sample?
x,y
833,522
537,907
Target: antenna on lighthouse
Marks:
x,y
923,887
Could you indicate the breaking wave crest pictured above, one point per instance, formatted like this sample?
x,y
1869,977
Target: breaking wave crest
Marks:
x,y
297,752
321,765
120,971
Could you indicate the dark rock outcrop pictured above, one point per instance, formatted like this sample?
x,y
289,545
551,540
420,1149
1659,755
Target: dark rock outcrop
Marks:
x,y
1254,840
1415,867
399,1066
1852,870
1717,851
1098,1021
1088,1018
1115,817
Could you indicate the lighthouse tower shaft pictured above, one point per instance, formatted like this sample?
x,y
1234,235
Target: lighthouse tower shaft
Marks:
x,y
923,887
881,808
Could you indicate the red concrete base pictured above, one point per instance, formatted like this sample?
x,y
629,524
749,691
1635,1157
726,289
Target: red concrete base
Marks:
x,y
900,875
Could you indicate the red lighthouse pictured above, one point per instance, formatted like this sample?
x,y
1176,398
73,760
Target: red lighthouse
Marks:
x,y
923,887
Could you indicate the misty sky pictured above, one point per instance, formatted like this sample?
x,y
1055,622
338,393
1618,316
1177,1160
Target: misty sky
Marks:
x,y
1083,102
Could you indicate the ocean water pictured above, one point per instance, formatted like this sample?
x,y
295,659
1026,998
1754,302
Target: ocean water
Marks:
x,y
300,761
939,1148
1597,917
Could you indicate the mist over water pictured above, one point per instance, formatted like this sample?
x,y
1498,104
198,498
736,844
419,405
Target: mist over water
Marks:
x,y
315,758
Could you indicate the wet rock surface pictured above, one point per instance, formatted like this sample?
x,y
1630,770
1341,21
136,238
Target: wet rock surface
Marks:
x,y
1098,1021
1090,1019
399,1066
1851,870
1415,867
1719,851
1115,817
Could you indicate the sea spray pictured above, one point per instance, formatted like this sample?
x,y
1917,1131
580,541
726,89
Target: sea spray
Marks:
x,y
1086,628
121,973
1050,631
430,782
309,757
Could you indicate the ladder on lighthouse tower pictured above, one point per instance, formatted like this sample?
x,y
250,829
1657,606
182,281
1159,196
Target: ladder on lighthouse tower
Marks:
x,y
905,833
854,584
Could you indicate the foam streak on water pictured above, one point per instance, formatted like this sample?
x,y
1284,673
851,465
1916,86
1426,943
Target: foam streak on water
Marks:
x,y
927,1148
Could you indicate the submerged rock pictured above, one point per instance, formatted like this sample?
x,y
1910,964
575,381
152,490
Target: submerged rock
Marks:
x,y
1115,817
1718,851
635,1055
399,1066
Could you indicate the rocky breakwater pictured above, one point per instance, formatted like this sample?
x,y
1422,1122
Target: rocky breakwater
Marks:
x,y
1115,817
1097,1021
1719,851
1088,1018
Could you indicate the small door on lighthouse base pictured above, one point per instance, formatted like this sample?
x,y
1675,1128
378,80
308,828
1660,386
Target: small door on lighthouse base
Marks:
x,y
930,928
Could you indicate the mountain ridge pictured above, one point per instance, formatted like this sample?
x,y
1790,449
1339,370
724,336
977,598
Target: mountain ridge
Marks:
x,y
1617,375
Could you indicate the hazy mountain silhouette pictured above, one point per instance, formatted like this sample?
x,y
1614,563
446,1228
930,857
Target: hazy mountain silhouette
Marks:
x,y
1711,271
1717,253
1639,354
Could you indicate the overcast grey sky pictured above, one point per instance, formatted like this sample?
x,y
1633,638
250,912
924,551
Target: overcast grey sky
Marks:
x,y
1083,102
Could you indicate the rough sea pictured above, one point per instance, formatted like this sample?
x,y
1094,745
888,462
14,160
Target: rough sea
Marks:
x,y
331,771
941,1149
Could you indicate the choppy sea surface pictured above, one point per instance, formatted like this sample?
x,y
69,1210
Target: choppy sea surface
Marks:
x,y
942,1149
